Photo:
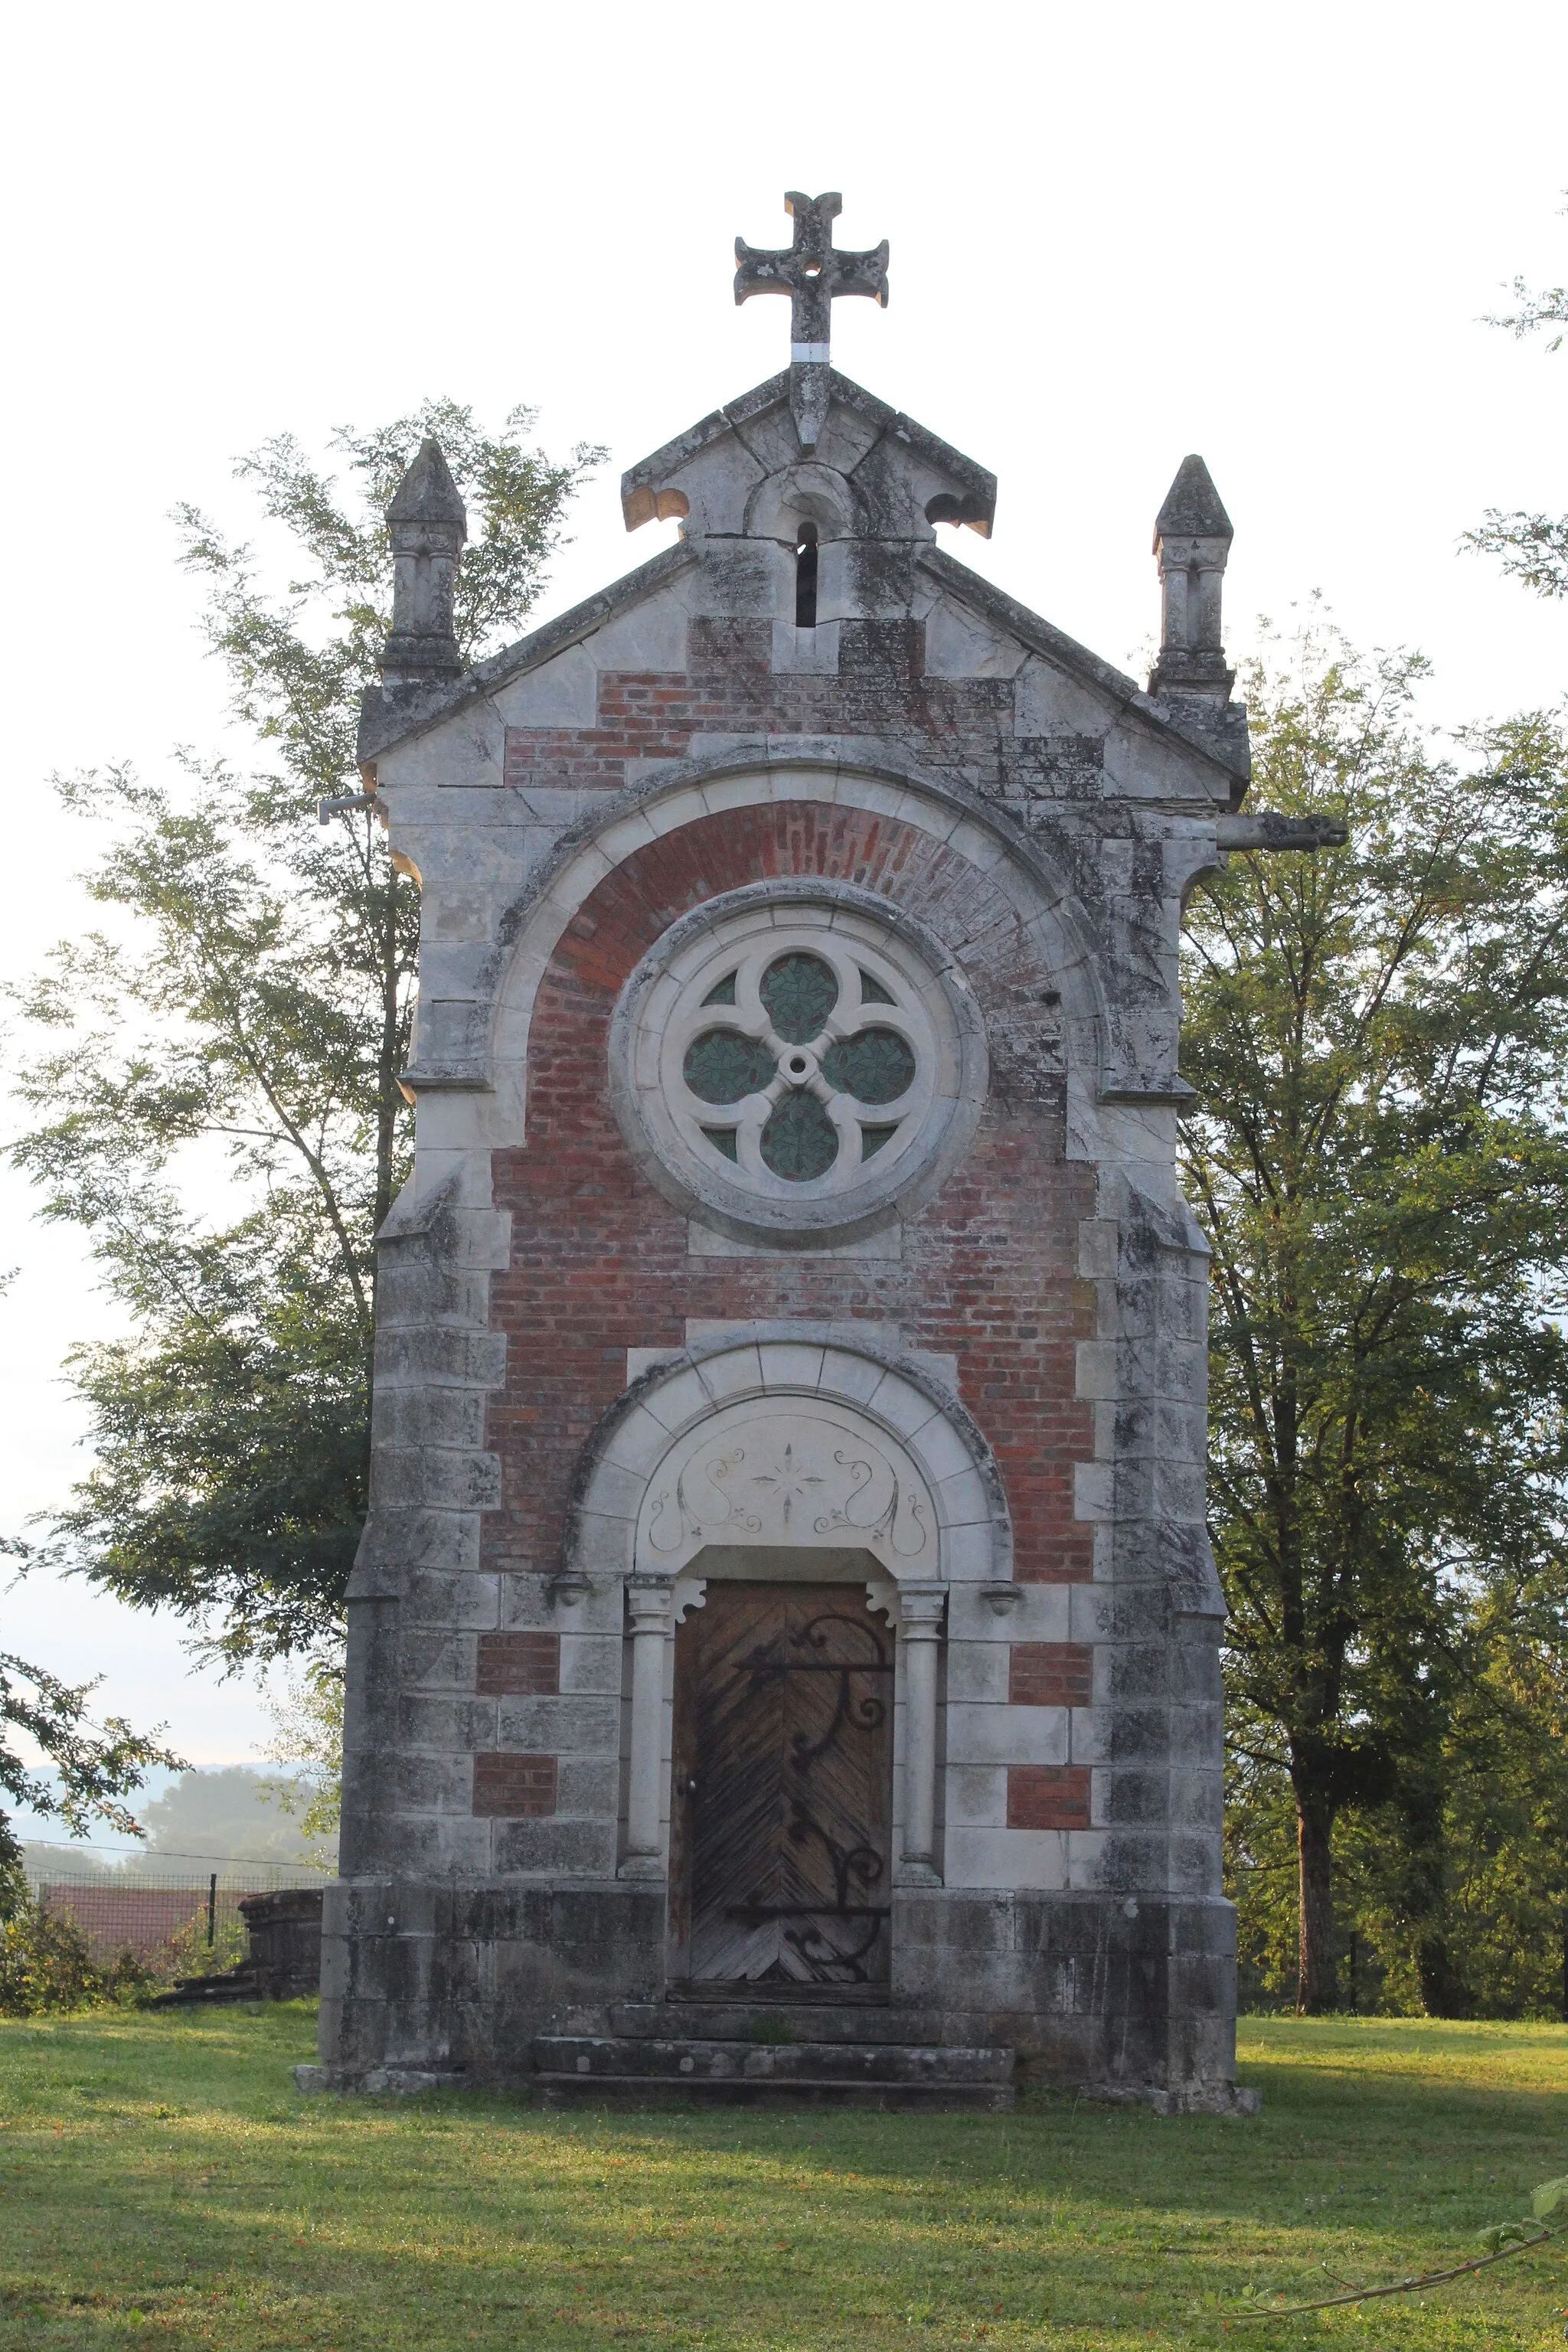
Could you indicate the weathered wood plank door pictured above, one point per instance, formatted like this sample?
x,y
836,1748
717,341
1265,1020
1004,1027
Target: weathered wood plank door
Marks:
x,y
783,1788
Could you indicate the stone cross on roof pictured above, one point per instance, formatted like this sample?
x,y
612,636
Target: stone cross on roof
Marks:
x,y
811,273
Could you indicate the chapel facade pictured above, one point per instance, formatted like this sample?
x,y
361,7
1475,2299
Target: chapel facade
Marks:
x,y
784,1640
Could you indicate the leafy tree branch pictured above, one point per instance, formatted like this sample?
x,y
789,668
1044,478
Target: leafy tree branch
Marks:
x,y
213,1093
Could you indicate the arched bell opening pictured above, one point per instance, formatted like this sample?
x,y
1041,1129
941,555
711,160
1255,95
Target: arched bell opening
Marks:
x,y
806,562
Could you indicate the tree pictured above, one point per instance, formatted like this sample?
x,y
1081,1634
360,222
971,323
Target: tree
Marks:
x,y
238,1032
96,1765
1378,1037
307,1735
1454,1905
1532,547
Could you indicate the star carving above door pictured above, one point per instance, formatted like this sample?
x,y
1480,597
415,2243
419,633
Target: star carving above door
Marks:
x,y
789,1482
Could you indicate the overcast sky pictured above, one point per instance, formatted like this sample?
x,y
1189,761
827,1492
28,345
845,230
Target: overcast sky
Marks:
x,y
1119,232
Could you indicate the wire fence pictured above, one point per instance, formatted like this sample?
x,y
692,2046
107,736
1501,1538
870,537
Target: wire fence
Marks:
x,y
177,1922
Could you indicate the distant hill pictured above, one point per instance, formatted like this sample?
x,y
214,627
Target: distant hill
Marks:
x,y
201,1821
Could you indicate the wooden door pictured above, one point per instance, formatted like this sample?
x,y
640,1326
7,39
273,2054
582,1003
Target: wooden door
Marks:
x,y
783,1788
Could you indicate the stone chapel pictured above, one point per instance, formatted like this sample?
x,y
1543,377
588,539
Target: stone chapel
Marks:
x,y
784,1652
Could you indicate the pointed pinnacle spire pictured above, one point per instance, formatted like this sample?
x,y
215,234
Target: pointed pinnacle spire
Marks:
x,y
427,492
1191,507
429,523
1192,541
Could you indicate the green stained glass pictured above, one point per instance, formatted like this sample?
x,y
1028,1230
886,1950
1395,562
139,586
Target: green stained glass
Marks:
x,y
873,1138
722,1066
722,1139
800,1140
799,993
875,1067
871,991
724,993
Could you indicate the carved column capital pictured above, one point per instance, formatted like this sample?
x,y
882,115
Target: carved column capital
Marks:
x,y
649,1601
921,1608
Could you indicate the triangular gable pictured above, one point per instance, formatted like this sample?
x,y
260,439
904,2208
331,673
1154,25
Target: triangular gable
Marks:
x,y
872,436
966,493
392,716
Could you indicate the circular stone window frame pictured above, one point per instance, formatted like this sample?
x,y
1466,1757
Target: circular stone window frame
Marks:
x,y
656,1017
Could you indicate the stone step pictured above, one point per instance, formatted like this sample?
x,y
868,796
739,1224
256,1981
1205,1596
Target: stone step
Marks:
x,y
712,2070
243,1983
769,2022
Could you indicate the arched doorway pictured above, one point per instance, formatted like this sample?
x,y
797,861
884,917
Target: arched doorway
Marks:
x,y
782,1812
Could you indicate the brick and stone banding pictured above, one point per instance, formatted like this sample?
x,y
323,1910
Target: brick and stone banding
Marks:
x,y
550,1316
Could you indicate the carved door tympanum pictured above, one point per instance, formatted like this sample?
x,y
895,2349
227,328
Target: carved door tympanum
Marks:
x,y
783,1788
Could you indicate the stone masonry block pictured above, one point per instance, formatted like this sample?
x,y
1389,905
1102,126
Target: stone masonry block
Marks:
x,y
1134,1797
432,1659
415,1355
589,1786
1012,1858
591,1665
1007,1735
470,1603
529,1606
584,1848
1136,1734
429,1783
444,1725
976,1797
977,1671
566,1727
440,1542
430,1477
440,1416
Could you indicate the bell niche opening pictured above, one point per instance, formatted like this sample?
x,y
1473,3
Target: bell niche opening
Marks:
x,y
806,577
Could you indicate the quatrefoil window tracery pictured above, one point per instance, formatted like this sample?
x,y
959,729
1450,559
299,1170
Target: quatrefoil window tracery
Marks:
x,y
813,1052
794,1065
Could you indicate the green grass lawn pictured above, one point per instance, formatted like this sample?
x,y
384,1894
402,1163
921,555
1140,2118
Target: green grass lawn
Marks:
x,y
160,2182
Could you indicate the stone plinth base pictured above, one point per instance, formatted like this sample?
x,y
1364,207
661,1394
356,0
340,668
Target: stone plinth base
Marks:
x,y
433,1981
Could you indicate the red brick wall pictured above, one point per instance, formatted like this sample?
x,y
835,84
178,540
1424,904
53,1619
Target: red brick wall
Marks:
x,y
599,1259
1050,1674
514,1788
1047,1796
518,1666
880,689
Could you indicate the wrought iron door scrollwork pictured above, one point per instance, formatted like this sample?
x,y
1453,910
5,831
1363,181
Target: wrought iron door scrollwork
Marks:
x,y
857,1869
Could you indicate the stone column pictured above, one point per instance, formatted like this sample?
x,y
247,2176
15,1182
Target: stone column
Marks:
x,y
921,1609
648,1601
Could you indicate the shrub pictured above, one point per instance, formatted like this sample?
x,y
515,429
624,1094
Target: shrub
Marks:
x,y
189,1954
46,1965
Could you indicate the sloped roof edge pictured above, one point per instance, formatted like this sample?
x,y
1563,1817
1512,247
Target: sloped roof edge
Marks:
x,y
1226,745
641,481
393,715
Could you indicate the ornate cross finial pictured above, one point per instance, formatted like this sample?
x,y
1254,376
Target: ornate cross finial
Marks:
x,y
811,273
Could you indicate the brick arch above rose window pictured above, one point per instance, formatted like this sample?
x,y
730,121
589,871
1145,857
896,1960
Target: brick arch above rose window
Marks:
x,y
947,856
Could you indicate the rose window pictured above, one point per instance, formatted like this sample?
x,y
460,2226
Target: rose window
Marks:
x,y
815,1071
795,1068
